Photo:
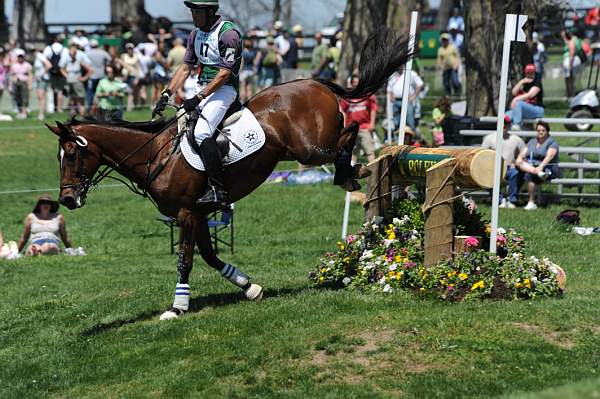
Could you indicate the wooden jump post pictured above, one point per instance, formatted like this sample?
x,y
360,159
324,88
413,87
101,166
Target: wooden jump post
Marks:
x,y
446,172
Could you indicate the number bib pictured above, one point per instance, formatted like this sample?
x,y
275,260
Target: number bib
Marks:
x,y
207,46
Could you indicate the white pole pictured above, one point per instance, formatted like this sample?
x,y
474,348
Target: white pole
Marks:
x,y
346,216
389,114
407,72
510,29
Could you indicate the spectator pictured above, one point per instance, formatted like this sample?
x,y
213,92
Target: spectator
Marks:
x,y
131,72
448,60
538,161
72,66
592,20
41,81
571,61
331,61
291,58
7,249
4,70
22,82
299,38
249,55
269,61
318,54
146,75
441,110
110,93
363,112
176,54
44,226
456,38
190,86
456,20
528,98
512,146
282,42
54,53
81,40
539,55
395,90
160,75
99,59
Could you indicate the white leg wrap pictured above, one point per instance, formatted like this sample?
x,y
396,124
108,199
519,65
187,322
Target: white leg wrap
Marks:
x,y
182,297
237,277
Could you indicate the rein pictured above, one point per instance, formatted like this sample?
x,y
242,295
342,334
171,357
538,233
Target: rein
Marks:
x,y
86,183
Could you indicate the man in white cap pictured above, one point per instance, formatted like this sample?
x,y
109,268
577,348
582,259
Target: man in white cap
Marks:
x,y
99,59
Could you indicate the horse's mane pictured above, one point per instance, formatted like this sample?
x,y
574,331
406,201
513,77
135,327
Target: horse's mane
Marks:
x,y
154,126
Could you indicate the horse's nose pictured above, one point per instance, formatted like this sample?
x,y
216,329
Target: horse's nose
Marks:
x,y
68,201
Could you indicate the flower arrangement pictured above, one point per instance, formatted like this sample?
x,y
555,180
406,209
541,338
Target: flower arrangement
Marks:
x,y
387,257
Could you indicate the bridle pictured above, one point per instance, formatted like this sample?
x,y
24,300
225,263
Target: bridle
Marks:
x,y
86,183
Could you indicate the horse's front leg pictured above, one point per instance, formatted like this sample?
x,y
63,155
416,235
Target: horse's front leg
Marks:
x,y
254,292
187,237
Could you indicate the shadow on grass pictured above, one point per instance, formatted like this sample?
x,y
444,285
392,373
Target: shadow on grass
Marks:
x,y
196,305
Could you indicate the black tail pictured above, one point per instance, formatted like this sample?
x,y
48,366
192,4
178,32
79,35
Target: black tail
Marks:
x,y
383,53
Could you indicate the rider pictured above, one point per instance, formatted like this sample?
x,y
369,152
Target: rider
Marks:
x,y
216,46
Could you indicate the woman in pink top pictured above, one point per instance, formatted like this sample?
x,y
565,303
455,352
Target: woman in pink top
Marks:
x,y
22,81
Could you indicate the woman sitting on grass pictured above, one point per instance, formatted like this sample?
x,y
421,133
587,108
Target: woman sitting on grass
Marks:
x,y
538,161
44,225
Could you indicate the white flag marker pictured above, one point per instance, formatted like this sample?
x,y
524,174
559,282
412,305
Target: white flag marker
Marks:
x,y
513,31
414,17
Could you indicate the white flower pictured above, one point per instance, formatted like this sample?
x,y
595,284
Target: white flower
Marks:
x,y
369,266
346,280
387,288
382,281
393,267
368,254
516,256
534,259
375,227
501,230
534,279
397,222
387,242
331,263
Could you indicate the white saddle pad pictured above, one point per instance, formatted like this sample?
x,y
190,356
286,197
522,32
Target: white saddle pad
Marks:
x,y
246,133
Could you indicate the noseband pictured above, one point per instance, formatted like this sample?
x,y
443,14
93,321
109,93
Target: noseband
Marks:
x,y
85,183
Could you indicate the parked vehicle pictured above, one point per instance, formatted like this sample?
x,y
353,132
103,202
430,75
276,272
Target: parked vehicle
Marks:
x,y
585,104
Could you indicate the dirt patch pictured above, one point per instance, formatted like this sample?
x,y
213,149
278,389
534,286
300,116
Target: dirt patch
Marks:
x,y
552,337
366,354
596,330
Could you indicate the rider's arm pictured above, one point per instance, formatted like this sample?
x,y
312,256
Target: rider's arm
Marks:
x,y
181,74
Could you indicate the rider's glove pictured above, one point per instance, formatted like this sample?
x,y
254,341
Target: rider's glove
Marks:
x,y
162,103
192,103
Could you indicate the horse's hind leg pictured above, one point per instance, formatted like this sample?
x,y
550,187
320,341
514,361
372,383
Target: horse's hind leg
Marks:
x,y
187,237
345,173
231,273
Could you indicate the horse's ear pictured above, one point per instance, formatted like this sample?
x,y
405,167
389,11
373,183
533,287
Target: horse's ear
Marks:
x,y
54,130
65,131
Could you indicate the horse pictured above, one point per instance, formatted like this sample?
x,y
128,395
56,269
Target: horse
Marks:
x,y
301,120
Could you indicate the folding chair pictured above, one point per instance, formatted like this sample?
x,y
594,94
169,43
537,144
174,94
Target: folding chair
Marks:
x,y
218,222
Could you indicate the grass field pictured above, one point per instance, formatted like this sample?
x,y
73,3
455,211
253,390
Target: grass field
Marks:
x,y
88,326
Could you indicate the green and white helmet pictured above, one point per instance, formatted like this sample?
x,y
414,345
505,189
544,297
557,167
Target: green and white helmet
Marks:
x,y
201,3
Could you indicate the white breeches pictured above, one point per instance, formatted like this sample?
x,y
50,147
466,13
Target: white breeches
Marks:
x,y
213,110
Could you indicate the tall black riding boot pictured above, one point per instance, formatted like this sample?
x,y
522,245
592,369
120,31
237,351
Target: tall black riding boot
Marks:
x,y
211,156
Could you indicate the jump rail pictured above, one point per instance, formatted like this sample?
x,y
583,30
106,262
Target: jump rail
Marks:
x,y
568,121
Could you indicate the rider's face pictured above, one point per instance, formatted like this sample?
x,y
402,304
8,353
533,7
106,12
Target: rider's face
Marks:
x,y
201,16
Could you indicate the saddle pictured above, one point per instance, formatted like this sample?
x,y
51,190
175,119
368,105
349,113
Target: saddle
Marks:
x,y
233,114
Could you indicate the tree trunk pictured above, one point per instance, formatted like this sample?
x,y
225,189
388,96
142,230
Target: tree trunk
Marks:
x,y
484,38
443,14
277,10
29,25
121,10
3,23
287,15
362,17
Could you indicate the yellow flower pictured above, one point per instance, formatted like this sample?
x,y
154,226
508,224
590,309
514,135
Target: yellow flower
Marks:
x,y
392,236
462,276
518,285
452,274
479,284
444,281
346,260
321,279
391,274
398,259
323,270
422,289
527,283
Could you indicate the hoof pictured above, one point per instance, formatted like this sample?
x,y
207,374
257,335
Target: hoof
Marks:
x,y
361,172
254,293
172,314
350,185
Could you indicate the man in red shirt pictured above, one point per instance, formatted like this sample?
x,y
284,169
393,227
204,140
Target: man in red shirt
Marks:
x,y
362,112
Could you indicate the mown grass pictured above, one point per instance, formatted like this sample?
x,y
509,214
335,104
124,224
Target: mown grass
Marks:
x,y
88,326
